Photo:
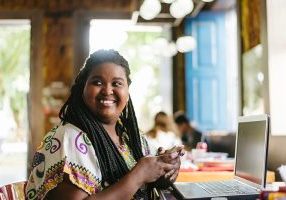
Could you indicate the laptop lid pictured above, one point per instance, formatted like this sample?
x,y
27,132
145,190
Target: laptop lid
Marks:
x,y
251,149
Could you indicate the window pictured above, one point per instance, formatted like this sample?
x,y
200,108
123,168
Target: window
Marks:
x,y
14,87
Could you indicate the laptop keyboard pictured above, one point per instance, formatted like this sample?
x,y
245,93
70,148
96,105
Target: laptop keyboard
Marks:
x,y
226,187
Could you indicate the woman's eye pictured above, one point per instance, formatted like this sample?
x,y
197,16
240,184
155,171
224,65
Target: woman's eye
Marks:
x,y
116,84
96,82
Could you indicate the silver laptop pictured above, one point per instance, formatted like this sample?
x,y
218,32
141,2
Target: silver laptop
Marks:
x,y
250,166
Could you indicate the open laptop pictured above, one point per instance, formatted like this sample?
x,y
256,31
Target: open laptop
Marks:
x,y
250,166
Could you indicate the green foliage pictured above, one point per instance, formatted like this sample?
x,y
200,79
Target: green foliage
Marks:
x,y
14,65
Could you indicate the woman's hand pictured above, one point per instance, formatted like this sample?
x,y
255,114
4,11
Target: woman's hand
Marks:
x,y
172,156
173,174
150,168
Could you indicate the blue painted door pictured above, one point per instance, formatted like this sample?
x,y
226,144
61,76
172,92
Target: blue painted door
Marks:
x,y
206,71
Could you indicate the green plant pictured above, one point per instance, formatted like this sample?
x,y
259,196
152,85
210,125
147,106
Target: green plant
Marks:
x,y
14,67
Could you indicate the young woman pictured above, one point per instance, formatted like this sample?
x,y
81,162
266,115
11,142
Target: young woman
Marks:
x,y
162,134
97,152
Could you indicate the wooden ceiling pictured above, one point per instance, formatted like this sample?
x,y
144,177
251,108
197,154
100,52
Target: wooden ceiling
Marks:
x,y
110,8
71,5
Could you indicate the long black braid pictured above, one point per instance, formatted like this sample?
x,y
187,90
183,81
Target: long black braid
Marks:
x,y
74,111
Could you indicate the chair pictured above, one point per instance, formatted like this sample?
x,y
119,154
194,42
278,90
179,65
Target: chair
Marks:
x,y
221,142
13,191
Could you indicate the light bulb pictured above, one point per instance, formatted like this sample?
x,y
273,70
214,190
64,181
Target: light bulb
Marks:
x,y
150,9
171,50
185,44
181,8
160,45
168,1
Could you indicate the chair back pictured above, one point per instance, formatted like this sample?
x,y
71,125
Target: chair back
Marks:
x,y
13,191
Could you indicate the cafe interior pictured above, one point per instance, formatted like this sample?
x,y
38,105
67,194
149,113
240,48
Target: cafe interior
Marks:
x,y
214,60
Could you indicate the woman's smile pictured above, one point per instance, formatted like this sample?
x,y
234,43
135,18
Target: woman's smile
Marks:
x,y
107,102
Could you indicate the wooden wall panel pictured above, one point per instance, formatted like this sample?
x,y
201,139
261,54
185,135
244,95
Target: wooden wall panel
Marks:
x,y
250,23
58,56
179,97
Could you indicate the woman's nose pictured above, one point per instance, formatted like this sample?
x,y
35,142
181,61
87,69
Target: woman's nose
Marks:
x,y
107,89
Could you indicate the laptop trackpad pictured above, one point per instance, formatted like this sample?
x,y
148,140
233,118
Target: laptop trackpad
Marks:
x,y
190,190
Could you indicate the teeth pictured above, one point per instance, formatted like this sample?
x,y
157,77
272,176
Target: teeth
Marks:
x,y
106,102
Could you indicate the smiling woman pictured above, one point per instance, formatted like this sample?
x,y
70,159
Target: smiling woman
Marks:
x,y
97,151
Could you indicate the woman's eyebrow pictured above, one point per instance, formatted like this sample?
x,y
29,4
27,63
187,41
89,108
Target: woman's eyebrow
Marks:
x,y
118,78
100,77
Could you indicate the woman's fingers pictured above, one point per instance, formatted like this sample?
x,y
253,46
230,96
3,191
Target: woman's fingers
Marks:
x,y
168,157
176,161
169,173
181,147
173,173
176,149
157,166
160,151
174,176
170,163
167,166
182,152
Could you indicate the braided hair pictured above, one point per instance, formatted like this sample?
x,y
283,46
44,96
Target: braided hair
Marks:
x,y
74,111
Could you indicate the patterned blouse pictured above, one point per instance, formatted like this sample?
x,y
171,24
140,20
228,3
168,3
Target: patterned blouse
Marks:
x,y
67,150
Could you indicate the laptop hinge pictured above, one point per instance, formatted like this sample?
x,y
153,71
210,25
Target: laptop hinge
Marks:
x,y
248,183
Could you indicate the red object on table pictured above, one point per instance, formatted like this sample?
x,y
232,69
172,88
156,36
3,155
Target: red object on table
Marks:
x,y
214,169
209,169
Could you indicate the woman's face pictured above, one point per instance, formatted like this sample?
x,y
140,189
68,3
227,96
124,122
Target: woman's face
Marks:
x,y
106,91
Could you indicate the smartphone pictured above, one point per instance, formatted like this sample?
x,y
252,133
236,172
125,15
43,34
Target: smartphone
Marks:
x,y
175,149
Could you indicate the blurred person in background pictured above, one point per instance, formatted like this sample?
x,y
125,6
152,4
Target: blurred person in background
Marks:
x,y
162,134
190,136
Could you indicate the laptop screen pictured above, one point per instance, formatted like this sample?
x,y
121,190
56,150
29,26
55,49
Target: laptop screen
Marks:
x,y
251,147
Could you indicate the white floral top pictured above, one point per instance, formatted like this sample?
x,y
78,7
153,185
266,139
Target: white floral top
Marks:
x,y
67,149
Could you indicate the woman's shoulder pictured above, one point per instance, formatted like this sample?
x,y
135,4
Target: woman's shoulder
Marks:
x,y
66,128
74,140
65,131
64,150
65,140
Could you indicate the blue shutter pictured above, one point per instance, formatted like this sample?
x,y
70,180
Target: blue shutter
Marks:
x,y
206,71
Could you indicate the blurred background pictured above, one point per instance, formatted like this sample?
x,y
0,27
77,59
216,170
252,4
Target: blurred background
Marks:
x,y
214,60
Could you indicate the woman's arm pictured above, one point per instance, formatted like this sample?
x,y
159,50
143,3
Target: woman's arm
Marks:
x,y
148,169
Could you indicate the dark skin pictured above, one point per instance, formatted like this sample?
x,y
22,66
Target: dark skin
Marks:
x,y
175,153
106,94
